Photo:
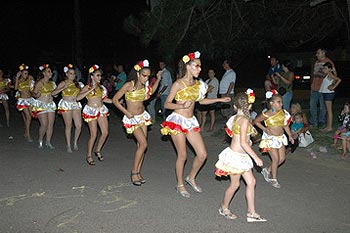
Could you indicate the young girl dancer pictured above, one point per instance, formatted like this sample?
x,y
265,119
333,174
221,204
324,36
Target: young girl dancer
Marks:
x,y
182,124
235,161
273,140
24,84
136,119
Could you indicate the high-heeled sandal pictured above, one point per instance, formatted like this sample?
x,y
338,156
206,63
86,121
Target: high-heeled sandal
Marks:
x,y
227,213
191,183
135,182
255,217
90,161
183,193
49,145
99,155
142,180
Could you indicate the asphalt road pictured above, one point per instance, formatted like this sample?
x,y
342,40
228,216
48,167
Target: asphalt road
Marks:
x,y
52,191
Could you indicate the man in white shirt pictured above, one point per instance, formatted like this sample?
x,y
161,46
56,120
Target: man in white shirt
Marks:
x,y
227,87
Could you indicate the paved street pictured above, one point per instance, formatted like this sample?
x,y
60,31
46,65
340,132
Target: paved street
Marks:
x,y
52,191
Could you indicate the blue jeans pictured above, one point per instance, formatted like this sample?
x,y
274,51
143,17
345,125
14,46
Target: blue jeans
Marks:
x,y
286,99
151,108
316,98
162,102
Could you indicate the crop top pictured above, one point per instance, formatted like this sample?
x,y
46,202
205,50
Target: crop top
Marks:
x,y
99,91
233,128
26,85
71,90
282,118
47,88
195,92
5,83
139,95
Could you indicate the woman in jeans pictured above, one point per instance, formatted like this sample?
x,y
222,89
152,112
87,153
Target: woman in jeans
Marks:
x,y
285,84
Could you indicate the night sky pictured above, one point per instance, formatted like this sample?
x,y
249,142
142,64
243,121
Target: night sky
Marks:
x,y
36,32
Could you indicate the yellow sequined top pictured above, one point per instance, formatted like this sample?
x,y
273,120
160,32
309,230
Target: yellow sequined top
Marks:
x,y
71,90
4,83
47,88
282,118
99,91
234,128
139,95
26,85
195,92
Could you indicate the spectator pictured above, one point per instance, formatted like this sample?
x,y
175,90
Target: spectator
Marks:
x,y
316,98
165,86
344,118
275,68
285,84
227,87
120,78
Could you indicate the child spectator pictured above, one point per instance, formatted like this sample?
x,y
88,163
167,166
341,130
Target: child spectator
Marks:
x,y
296,128
344,118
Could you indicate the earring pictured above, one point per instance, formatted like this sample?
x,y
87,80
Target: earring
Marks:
x,y
272,109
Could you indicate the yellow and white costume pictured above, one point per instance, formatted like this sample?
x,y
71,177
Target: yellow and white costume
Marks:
x,y
282,118
39,106
71,90
176,123
142,94
231,162
23,103
4,84
92,113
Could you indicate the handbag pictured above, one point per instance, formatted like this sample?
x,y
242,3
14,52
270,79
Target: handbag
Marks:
x,y
305,139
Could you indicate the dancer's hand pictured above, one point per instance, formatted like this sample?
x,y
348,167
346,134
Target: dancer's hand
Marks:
x,y
258,162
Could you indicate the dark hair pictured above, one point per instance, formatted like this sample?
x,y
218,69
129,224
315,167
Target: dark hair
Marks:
x,y
328,64
288,64
273,98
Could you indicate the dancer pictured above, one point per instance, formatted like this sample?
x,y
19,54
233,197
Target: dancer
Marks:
x,y
68,105
95,112
236,160
182,124
136,119
4,88
43,106
273,139
24,84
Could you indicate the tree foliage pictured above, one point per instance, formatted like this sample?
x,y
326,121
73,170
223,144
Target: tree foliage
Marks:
x,y
227,28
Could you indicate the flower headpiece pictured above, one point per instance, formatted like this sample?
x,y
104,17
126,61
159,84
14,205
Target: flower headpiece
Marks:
x,y
43,67
271,93
141,64
23,67
93,68
191,56
67,67
251,96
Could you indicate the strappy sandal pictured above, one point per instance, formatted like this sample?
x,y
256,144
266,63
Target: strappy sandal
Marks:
x,y
142,180
135,182
90,161
227,213
255,217
183,193
99,155
193,185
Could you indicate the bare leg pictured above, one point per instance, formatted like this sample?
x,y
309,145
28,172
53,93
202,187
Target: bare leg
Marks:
x,y
93,135
68,118
230,191
43,120
49,131
77,123
250,190
329,116
103,124
27,116
7,111
212,119
180,144
141,138
274,163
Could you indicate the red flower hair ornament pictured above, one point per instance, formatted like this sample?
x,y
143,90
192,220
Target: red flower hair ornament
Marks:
x,y
271,93
251,96
23,67
141,64
43,67
67,67
93,68
191,56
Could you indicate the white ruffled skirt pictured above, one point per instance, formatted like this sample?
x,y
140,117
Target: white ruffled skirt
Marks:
x,y
91,113
131,124
231,162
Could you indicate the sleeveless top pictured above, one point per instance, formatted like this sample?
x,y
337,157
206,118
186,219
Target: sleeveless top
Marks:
x,y
139,95
27,85
100,91
47,88
195,92
282,118
5,83
324,86
71,90
234,128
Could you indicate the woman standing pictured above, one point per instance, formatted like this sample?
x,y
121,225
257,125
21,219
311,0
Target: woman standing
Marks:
x,y
68,105
136,119
285,84
4,88
43,106
95,112
24,84
182,124
329,83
